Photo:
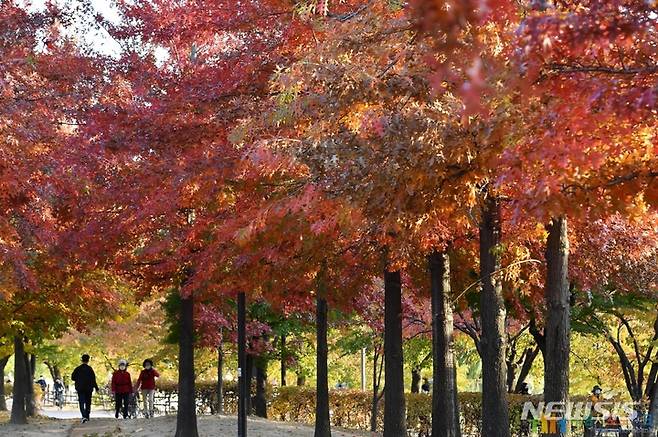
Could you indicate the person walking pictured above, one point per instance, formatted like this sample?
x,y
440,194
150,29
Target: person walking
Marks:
x,y
525,389
85,383
58,386
42,383
146,382
426,386
121,387
594,419
44,388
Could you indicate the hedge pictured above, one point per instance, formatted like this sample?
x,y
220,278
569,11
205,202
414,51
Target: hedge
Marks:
x,y
351,408
206,396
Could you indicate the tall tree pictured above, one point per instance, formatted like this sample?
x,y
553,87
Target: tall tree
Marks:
x,y
373,115
19,395
186,423
495,411
30,402
170,123
395,411
322,419
557,332
48,82
220,379
445,407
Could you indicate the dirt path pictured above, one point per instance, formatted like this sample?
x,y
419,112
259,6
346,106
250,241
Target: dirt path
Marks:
x,y
37,428
224,426
96,427
209,426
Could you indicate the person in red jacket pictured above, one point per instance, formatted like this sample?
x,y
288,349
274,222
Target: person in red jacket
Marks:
x,y
146,382
121,388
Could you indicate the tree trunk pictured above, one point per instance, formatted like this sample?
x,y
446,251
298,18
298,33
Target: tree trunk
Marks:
x,y
19,392
415,380
363,369
30,405
529,358
652,379
539,337
186,423
627,367
510,363
445,407
653,411
395,420
322,423
376,395
3,401
220,380
301,379
495,412
510,376
55,372
374,410
50,369
260,401
558,325
33,365
249,377
283,361
243,391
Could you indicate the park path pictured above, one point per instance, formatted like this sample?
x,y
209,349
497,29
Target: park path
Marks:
x,y
74,414
37,428
209,426
97,427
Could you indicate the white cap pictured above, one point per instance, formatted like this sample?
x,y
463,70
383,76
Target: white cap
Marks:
x,y
122,361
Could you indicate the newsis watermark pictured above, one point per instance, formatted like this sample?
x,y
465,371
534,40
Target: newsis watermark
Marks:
x,y
580,411
560,416
628,412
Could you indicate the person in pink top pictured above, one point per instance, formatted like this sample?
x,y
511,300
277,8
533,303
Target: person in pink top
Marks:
x,y
146,382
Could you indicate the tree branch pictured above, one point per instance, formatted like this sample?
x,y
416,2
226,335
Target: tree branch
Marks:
x,y
602,69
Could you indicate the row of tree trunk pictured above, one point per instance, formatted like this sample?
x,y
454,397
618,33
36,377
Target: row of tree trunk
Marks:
x,y
445,407
445,420
555,345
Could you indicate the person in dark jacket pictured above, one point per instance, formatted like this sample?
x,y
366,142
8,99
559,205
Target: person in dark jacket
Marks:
x,y
426,386
85,383
58,386
525,390
42,383
122,386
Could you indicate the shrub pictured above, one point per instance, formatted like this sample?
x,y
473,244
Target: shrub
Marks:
x,y
351,408
206,396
